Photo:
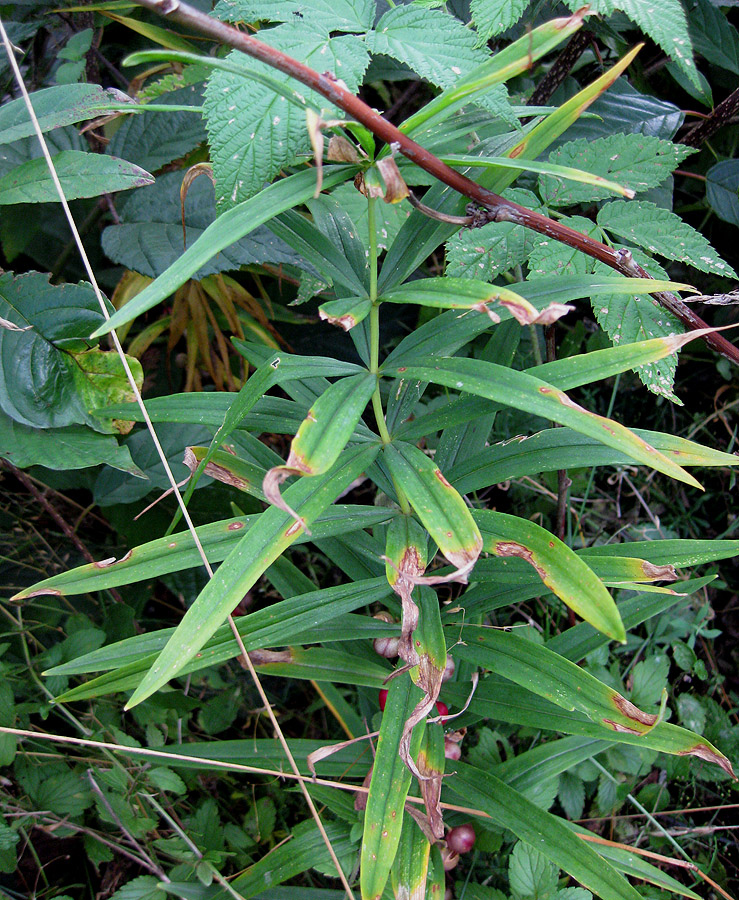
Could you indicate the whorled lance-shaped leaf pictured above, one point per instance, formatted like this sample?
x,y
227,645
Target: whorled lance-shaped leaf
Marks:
x,y
178,551
345,313
228,469
525,392
560,681
274,534
543,831
466,293
323,434
561,570
440,508
410,868
391,779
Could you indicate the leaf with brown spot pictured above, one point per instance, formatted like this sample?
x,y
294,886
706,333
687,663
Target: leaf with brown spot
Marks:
x,y
561,570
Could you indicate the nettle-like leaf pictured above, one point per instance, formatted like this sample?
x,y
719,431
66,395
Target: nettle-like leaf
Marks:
x,y
149,237
492,17
637,161
254,131
344,15
661,231
51,375
433,43
550,257
486,252
439,48
663,20
627,319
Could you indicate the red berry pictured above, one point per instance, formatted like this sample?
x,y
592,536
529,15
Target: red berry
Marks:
x,y
442,708
383,698
387,646
461,839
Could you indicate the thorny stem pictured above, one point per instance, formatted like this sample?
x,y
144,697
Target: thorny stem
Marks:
x,y
329,86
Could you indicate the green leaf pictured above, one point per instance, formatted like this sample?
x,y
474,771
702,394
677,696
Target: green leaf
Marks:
x,y
527,393
492,17
550,450
433,43
665,23
153,139
80,174
56,107
713,36
559,568
540,830
550,256
145,887
627,319
722,190
275,532
330,424
440,508
177,552
391,779
74,447
637,161
344,15
530,874
661,231
561,682
149,237
254,131
228,228
486,252
50,375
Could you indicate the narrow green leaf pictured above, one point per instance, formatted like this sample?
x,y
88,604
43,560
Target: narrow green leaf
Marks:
x,y
275,532
561,448
391,779
545,833
561,682
81,175
63,104
522,391
441,509
234,224
330,423
571,579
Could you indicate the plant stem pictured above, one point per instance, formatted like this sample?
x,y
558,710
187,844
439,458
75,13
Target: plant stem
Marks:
x,y
375,320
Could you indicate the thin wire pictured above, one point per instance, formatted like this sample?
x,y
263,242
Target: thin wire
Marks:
x,y
139,400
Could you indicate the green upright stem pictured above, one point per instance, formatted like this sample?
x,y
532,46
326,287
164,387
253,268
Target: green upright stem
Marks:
x,y
375,343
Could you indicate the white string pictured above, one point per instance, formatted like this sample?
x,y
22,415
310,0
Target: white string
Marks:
x,y
96,289
129,374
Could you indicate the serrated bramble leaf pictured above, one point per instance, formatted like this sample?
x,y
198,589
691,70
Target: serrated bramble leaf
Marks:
x,y
661,231
637,161
496,247
665,22
433,43
550,256
627,319
254,131
492,17
345,15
